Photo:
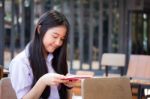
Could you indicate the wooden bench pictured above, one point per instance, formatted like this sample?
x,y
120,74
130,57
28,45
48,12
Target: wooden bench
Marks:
x,y
139,72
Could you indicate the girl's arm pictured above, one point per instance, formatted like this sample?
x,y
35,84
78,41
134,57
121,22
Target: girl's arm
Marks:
x,y
36,91
50,79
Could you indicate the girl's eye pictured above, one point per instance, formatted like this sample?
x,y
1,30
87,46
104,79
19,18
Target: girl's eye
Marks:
x,y
54,36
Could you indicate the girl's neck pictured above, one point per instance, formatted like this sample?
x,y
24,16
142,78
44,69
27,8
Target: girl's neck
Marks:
x,y
45,53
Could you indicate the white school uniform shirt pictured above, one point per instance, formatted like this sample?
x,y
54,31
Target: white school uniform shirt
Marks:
x,y
21,75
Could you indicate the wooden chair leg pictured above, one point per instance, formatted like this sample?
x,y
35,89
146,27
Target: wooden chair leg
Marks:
x,y
1,72
122,71
106,71
139,92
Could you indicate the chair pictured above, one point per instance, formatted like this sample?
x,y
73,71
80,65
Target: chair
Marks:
x,y
113,60
3,72
106,88
139,72
6,90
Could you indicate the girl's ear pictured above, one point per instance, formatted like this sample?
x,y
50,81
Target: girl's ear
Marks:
x,y
38,28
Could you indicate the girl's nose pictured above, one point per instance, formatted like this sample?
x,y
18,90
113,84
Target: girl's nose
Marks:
x,y
58,42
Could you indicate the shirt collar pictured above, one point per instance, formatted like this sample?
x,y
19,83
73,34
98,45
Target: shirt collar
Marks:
x,y
27,50
49,57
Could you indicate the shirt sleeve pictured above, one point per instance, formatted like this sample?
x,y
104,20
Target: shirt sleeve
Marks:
x,y
21,77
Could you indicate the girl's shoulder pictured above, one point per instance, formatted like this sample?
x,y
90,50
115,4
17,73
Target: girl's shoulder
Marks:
x,y
20,61
23,55
20,57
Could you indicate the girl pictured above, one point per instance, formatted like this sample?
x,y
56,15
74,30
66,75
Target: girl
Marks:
x,y
38,71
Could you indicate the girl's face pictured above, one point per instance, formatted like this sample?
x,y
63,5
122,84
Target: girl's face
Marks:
x,y
54,38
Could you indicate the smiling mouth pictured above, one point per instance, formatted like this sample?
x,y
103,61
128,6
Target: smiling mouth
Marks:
x,y
53,47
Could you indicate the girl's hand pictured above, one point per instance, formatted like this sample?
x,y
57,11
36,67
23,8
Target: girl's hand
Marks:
x,y
53,79
71,83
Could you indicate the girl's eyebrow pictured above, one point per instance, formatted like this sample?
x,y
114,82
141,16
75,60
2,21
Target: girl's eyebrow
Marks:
x,y
55,33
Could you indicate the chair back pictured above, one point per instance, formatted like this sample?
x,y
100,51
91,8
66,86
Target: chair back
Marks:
x,y
6,90
106,88
113,59
139,67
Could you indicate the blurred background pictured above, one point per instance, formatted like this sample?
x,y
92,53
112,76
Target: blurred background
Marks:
x,y
97,27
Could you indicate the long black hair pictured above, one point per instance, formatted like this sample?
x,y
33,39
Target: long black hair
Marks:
x,y
36,51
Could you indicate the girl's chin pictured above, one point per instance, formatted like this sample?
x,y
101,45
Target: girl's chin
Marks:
x,y
51,50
